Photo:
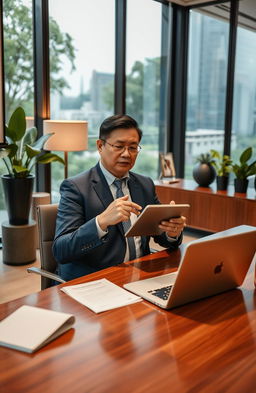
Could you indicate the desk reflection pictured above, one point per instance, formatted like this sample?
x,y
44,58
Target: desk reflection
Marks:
x,y
211,337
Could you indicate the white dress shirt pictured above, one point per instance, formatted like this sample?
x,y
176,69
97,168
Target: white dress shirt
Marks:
x,y
110,179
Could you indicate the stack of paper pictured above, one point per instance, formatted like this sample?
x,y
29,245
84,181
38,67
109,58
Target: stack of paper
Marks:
x,y
29,328
100,295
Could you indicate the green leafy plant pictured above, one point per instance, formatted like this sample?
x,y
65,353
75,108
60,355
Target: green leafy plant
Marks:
x,y
222,163
23,150
205,158
242,170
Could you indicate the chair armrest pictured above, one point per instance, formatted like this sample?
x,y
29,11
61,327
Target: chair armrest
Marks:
x,y
45,273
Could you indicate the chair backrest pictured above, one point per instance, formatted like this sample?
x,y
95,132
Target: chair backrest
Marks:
x,y
46,215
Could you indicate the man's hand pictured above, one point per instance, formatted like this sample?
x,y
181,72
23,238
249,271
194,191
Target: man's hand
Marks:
x,y
174,226
119,210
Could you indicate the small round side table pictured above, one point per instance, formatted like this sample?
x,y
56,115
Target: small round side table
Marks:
x,y
19,243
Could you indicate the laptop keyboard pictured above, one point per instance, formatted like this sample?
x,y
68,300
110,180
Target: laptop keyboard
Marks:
x,y
162,293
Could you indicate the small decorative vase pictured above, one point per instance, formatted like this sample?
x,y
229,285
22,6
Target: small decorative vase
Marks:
x,y
241,185
204,174
222,183
18,196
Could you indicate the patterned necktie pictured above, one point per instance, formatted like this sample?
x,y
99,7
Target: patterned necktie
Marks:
x,y
126,224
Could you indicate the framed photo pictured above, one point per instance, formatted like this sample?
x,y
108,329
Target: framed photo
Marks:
x,y
167,166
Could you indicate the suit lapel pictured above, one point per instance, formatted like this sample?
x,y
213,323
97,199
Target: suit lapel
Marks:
x,y
101,187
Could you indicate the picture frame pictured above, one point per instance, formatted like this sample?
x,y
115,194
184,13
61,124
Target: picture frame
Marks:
x,y
167,166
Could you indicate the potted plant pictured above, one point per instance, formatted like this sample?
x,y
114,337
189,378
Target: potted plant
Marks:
x,y
203,172
223,166
243,170
20,155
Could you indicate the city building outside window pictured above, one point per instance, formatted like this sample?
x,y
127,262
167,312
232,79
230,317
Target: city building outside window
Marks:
x,y
244,103
206,96
143,60
87,91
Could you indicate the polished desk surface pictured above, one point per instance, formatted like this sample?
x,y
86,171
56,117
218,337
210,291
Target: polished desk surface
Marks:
x,y
205,346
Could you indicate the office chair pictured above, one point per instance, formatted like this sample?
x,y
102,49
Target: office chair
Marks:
x,y
46,217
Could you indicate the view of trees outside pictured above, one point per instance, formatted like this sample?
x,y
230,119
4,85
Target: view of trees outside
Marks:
x,y
207,73
18,65
18,62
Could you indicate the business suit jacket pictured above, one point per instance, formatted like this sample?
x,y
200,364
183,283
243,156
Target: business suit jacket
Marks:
x,y
77,247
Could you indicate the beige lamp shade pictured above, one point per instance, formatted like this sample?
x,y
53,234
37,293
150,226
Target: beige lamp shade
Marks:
x,y
69,135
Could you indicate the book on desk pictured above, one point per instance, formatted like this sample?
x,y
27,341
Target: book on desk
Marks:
x,y
29,328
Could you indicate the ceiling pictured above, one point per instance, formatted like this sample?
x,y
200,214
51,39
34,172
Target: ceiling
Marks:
x,y
246,16
188,2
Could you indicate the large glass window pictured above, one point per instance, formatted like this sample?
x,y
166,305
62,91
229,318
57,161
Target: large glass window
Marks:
x,y
244,104
207,76
82,62
143,78
18,66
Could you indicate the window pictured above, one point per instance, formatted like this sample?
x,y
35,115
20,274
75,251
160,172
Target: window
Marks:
x,y
18,66
244,103
207,75
82,75
143,78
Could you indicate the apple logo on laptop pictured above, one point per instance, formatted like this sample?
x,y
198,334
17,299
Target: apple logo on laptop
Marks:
x,y
218,268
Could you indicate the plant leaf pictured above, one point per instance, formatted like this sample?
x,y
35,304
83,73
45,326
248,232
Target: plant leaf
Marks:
x,y
20,169
4,153
49,157
31,152
41,141
30,136
17,125
12,150
215,154
246,155
251,169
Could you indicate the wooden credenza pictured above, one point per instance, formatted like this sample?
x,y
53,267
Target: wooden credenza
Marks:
x,y
210,210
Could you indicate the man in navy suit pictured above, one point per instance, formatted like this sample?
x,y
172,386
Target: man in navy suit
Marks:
x,y
95,207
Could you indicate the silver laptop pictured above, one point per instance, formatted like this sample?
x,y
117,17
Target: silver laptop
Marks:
x,y
210,265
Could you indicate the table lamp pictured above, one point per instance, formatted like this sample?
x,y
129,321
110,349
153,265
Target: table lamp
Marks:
x,y
69,135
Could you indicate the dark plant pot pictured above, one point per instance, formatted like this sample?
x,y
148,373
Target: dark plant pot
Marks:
x,y
204,174
241,185
222,183
18,196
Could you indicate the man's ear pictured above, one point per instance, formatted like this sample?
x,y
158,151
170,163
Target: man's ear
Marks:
x,y
99,144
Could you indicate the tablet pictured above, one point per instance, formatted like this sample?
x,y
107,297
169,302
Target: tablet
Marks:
x,y
148,221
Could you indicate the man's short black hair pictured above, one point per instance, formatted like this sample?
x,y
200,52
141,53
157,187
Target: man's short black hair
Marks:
x,y
118,121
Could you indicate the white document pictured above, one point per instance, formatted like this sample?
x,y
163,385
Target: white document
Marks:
x,y
29,328
100,295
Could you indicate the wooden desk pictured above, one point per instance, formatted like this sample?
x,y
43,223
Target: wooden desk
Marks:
x,y
210,210
207,346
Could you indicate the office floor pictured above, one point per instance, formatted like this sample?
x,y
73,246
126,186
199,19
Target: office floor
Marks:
x,y
15,282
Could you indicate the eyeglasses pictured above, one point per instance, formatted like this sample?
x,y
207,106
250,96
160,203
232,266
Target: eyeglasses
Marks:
x,y
121,148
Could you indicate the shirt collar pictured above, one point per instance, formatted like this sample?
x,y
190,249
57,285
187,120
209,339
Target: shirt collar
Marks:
x,y
109,177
